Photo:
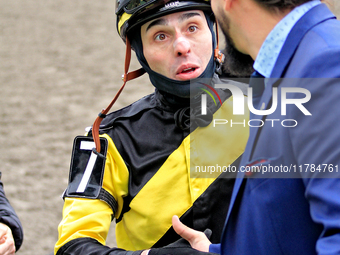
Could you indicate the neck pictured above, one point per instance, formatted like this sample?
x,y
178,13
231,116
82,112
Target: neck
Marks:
x,y
172,100
253,23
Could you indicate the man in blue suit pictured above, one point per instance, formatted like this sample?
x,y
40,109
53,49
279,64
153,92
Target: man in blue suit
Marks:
x,y
290,203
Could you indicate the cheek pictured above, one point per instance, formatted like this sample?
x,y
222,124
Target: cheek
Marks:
x,y
155,59
204,49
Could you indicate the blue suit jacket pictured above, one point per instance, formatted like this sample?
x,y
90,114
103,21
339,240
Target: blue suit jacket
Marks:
x,y
299,215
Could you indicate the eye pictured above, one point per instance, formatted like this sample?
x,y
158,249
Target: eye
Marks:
x,y
192,29
160,37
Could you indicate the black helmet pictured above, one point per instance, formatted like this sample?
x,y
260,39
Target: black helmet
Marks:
x,y
132,13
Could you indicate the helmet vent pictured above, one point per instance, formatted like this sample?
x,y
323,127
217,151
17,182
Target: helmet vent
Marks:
x,y
170,6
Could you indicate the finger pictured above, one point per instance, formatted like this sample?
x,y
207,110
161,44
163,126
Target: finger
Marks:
x,y
4,248
2,239
184,231
3,232
7,248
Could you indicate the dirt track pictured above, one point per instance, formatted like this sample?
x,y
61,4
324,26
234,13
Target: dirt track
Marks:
x,y
60,64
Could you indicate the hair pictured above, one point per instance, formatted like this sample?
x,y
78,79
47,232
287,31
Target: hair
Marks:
x,y
279,5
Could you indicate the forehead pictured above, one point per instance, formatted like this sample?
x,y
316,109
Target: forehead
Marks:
x,y
177,17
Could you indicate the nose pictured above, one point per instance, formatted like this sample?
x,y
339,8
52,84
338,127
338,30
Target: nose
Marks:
x,y
181,46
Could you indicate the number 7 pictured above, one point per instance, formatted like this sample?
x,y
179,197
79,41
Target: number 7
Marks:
x,y
85,145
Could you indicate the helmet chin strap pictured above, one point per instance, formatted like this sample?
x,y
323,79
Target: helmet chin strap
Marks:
x,y
126,77
218,56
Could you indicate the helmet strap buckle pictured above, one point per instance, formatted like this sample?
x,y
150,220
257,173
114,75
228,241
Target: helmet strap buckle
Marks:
x,y
126,77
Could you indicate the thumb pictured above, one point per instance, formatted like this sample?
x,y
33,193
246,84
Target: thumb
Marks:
x,y
182,230
187,233
198,240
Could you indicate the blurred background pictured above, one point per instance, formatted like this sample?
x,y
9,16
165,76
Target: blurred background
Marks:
x,y
60,63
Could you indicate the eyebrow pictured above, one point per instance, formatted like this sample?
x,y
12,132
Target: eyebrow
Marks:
x,y
188,15
157,22
162,21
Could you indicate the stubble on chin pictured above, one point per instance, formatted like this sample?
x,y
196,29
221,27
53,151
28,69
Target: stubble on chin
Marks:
x,y
236,63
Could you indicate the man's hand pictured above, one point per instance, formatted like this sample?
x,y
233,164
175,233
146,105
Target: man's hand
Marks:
x,y
7,246
198,240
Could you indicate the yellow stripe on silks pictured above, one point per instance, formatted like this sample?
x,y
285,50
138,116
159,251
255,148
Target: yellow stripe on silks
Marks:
x,y
219,145
122,20
116,176
164,195
216,145
173,190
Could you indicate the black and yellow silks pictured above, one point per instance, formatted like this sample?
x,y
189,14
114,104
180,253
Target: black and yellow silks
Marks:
x,y
147,171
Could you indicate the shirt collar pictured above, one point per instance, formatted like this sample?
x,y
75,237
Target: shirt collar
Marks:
x,y
272,45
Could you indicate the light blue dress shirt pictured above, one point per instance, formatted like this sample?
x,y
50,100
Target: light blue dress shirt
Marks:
x,y
271,47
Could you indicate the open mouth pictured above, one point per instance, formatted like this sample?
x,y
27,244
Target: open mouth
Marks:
x,y
189,70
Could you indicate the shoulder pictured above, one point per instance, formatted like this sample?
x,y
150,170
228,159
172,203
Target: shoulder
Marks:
x,y
318,53
309,44
322,36
144,104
